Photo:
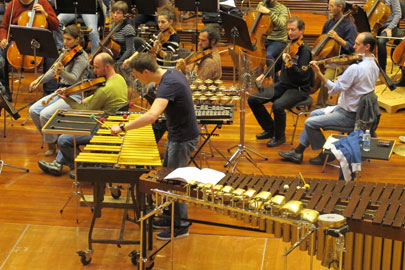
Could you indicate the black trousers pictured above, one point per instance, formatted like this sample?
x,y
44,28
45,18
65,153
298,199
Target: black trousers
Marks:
x,y
283,97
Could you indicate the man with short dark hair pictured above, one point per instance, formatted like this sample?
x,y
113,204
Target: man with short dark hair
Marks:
x,y
357,80
173,98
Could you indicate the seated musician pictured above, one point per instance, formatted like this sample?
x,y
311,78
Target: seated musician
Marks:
x,y
174,99
167,44
90,20
70,70
276,41
209,66
107,98
149,19
389,29
357,80
14,10
292,88
344,34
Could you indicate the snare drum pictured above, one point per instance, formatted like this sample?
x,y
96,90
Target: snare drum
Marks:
x,y
326,221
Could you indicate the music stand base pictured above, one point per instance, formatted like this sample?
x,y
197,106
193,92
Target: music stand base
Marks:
x,y
243,151
2,164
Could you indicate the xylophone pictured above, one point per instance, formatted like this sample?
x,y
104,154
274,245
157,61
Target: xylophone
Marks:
x,y
116,159
374,212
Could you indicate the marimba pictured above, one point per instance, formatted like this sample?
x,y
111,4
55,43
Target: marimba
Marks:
x,y
116,159
374,212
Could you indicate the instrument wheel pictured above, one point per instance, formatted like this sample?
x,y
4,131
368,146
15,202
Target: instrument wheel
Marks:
x,y
134,257
85,260
116,193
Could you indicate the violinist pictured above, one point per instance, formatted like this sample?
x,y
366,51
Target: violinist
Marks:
x,y
344,34
357,80
389,29
13,11
276,41
108,98
167,44
209,66
70,69
292,88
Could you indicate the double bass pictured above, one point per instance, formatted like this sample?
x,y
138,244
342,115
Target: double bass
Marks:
x,y
29,18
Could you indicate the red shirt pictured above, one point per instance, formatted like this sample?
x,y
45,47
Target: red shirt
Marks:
x,y
53,22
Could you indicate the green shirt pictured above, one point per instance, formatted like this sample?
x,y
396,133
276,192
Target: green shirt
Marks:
x,y
107,98
279,16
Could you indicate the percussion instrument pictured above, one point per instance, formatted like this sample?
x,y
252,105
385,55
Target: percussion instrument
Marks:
x,y
374,213
209,92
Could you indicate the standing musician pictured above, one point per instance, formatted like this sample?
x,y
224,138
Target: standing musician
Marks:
x,y
12,13
389,29
107,98
277,40
70,69
292,88
173,98
167,44
357,80
344,34
209,66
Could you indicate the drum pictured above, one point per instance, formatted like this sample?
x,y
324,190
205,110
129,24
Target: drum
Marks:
x,y
327,221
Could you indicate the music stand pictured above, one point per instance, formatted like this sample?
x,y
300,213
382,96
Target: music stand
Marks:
x,y
237,33
4,104
76,7
197,6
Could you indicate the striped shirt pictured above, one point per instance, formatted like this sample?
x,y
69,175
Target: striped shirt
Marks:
x,y
279,16
125,38
171,47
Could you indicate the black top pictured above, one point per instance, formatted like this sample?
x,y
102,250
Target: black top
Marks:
x,y
295,76
181,120
346,30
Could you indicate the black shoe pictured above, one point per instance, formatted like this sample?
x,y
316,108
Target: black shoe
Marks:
x,y
264,135
72,174
275,142
292,156
178,233
53,167
320,159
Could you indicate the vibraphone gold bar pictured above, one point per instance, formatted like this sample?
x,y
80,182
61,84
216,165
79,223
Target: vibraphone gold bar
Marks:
x,y
117,159
374,212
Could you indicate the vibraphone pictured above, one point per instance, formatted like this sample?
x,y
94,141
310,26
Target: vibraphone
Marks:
x,y
374,213
116,159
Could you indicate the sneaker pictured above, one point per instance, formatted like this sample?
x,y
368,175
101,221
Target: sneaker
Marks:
x,y
72,174
161,223
53,167
178,233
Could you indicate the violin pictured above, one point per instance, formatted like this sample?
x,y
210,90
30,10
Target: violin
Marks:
x,y
377,14
164,36
341,60
86,85
28,18
292,49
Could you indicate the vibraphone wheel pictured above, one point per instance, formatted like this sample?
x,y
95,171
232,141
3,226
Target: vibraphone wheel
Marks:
x,y
134,257
115,192
85,257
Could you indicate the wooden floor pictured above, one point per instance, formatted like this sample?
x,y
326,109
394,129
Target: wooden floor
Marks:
x,y
34,235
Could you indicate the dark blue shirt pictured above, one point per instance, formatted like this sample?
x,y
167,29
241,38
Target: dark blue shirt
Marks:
x,y
346,30
181,121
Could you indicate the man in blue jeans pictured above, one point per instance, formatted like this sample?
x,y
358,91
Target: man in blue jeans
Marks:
x,y
173,98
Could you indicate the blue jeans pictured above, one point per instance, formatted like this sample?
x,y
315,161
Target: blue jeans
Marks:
x,y
89,19
66,153
273,49
40,114
312,134
178,154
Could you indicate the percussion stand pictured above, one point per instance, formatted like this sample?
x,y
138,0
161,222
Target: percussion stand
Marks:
x,y
242,150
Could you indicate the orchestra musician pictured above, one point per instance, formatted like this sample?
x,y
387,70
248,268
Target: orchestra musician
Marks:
x,y
276,41
107,98
174,99
292,88
344,34
13,11
70,69
149,19
167,44
389,29
357,80
209,66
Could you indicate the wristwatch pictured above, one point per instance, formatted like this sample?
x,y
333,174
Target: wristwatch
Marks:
x,y
122,127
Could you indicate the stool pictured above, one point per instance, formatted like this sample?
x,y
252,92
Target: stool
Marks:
x,y
304,107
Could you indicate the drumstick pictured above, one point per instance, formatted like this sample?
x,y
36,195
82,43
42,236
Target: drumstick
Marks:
x,y
306,186
102,122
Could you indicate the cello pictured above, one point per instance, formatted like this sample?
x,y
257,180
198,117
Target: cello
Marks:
x,y
377,14
28,19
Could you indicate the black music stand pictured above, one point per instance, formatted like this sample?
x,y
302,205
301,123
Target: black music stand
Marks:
x,y
4,104
197,6
76,6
